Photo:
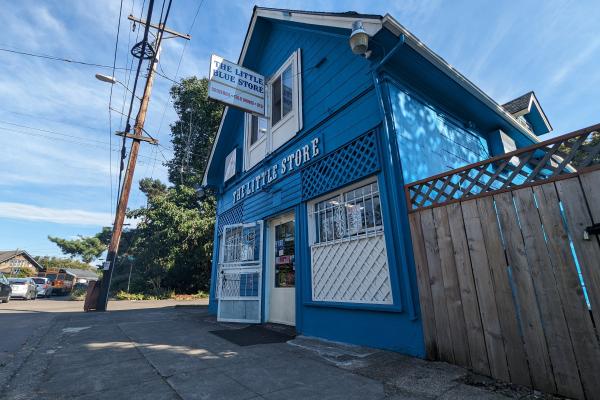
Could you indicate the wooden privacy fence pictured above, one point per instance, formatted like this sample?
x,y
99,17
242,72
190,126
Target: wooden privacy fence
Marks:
x,y
509,285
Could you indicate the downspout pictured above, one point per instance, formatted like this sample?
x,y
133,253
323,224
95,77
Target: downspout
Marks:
x,y
390,140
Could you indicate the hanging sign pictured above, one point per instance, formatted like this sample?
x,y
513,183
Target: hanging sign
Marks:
x,y
236,86
292,161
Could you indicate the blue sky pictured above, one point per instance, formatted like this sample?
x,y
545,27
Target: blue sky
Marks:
x,y
56,171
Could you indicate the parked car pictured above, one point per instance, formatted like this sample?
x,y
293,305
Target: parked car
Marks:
x,y
5,289
44,286
23,287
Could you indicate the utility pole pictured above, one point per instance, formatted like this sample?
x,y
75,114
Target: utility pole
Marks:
x,y
137,137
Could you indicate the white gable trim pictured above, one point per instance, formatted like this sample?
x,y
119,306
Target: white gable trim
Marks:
x,y
370,25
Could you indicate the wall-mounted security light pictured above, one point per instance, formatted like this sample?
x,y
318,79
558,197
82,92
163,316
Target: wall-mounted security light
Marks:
x,y
359,39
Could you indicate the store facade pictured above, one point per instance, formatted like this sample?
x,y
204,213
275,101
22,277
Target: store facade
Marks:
x,y
312,226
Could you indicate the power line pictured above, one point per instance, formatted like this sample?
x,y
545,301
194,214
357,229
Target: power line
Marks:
x,y
177,73
51,132
55,58
69,139
70,61
135,82
93,128
110,104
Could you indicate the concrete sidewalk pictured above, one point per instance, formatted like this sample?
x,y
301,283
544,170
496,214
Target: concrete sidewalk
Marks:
x,y
169,353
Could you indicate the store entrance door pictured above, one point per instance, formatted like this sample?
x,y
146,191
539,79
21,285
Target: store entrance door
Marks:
x,y
282,270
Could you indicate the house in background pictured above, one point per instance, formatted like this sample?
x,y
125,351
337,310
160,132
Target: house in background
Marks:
x,y
15,261
82,276
312,227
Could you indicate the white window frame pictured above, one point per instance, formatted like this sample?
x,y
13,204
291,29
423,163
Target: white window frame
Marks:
x,y
250,147
288,126
231,157
312,214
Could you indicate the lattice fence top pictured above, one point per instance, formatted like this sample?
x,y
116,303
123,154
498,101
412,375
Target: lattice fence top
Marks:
x,y
351,162
553,159
232,216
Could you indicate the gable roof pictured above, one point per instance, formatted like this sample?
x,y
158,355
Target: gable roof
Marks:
x,y
372,23
524,104
81,273
519,104
10,254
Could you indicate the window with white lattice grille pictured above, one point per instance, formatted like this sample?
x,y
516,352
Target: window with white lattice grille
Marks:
x,y
348,253
350,213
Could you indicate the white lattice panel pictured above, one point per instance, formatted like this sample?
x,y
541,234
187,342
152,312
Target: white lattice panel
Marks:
x,y
352,271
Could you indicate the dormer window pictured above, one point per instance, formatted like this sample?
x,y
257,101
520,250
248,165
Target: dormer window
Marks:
x,y
264,135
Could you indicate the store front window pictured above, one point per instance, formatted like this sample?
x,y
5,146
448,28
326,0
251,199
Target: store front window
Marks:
x,y
351,213
348,253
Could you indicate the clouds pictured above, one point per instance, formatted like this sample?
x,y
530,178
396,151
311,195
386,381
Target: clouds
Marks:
x,y
565,70
59,216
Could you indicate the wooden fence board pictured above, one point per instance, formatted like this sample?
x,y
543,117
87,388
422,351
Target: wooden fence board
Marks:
x,y
588,251
591,187
583,337
425,300
458,330
531,323
476,340
507,312
485,292
442,324
556,332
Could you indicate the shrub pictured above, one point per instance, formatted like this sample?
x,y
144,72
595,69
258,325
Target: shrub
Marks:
x,y
122,295
78,294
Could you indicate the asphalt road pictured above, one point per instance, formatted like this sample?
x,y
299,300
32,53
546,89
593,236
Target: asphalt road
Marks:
x,y
19,319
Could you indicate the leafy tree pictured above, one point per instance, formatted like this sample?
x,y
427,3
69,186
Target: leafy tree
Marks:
x,y
581,156
152,187
87,248
194,133
172,246
59,262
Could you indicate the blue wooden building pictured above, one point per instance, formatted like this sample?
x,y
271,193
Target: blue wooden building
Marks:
x,y
312,224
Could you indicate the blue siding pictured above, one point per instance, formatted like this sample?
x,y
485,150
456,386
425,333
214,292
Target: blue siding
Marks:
x,y
342,99
340,104
429,142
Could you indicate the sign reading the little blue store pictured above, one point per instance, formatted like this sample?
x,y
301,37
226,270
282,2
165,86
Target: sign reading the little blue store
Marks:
x,y
236,86
286,165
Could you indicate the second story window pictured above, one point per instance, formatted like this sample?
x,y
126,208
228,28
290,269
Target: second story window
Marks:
x,y
266,134
282,92
258,129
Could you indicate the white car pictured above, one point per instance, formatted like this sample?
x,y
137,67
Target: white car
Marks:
x,y
23,287
44,286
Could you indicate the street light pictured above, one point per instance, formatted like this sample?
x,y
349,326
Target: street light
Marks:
x,y
112,80
105,78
